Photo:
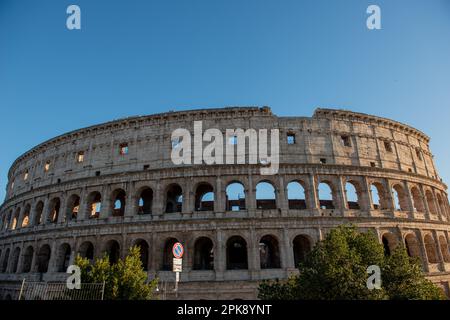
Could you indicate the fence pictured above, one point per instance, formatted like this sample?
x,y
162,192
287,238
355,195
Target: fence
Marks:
x,y
59,291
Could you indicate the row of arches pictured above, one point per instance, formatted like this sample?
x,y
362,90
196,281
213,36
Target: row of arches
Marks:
x,y
202,259
430,252
298,197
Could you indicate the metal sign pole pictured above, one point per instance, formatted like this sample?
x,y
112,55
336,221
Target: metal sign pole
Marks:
x,y
21,289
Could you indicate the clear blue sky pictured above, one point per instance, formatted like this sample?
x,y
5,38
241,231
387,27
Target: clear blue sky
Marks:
x,y
143,57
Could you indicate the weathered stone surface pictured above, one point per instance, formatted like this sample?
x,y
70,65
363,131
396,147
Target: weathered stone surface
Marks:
x,y
360,149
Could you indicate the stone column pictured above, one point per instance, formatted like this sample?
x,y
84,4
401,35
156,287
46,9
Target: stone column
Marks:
x,y
220,258
287,260
19,262
425,203
106,208
34,267
158,201
341,196
439,251
220,196
281,197
62,216
54,255
312,193
131,201
82,210
250,197
436,205
45,211
366,196
410,199
20,219
424,252
254,265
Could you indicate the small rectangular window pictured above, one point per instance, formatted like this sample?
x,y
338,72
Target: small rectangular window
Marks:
x,y
323,160
25,176
387,146
291,138
146,166
47,166
418,154
373,164
80,157
345,140
97,173
123,149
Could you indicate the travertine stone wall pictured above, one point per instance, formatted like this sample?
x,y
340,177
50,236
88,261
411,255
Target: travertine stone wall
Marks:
x,y
335,147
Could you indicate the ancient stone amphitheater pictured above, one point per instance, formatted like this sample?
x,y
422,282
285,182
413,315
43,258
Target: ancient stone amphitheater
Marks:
x,y
111,186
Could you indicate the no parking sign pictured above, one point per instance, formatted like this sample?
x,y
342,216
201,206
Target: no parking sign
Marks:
x,y
178,250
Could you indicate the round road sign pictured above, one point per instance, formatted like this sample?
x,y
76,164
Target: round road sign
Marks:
x,y
178,250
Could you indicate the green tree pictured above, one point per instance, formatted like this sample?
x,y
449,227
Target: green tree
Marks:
x,y
124,280
336,269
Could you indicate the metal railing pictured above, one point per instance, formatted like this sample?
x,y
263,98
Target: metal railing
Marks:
x,y
60,291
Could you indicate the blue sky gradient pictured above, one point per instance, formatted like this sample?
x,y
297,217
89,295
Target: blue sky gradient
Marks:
x,y
144,57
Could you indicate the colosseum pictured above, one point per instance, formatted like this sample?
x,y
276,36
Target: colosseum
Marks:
x,y
110,186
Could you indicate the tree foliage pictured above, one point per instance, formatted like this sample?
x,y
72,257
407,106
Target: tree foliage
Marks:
x,y
124,280
336,269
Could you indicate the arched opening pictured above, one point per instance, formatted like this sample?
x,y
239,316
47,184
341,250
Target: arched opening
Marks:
x,y
204,197
55,206
352,195
265,196
400,199
143,249
86,250
15,260
5,261
430,202
444,249
15,220
112,249
73,206
203,254
94,204
167,263
43,258
26,216
9,220
269,253
38,213
145,201
27,259
118,202
174,199
237,253
389,242
441,205
296,196
326,199
375,191
412,246
301,247
235,194
430,247
417,200
64,257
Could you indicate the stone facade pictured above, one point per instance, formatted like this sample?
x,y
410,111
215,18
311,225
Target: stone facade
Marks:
x,y
107,187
